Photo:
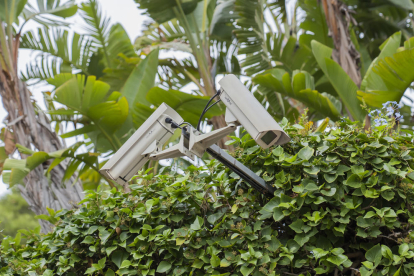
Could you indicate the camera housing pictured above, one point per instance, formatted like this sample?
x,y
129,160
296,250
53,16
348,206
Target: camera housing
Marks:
x,y
136,151
245,109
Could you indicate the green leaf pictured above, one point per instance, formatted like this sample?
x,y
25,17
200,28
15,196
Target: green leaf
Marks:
x,y
79,131
109,250
389,47
215,261
301,88
164,10
389,80
354,181
374,255
337,259
14,164
246,270
88,240
187,105
163,267
17,176
197,264
319,253
197,224
278,214
342,83
101,263
214,217
141,80
397,273
306,153
224,263
119,256
36,159
109,272
125,264
403,248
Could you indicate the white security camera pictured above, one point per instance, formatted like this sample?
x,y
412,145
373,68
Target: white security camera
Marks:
x,y
245,109
148,139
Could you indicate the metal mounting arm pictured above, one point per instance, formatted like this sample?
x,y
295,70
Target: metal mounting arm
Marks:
x,y
193,142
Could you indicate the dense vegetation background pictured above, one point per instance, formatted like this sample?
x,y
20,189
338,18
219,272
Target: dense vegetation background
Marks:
x,y
335,60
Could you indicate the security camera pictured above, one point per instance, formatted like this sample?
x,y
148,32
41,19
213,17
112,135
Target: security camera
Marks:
x,y
148,139
245,109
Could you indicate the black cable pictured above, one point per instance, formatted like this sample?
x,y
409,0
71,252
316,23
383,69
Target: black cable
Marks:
x,y
213,105
172,123
205,109
186,123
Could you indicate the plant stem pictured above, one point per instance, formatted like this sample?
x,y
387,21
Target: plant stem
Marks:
x,y
111,141
5,50
202,65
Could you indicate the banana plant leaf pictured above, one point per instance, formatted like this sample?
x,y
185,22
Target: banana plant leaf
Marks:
x,y
141,80
342,83
11,9
188,106
221,27
163,10
388,48
314,25
301,88
390,74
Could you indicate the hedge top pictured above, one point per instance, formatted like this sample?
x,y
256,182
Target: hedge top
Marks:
x,y
343,206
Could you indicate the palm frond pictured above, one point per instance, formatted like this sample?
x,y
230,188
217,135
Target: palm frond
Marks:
x,y
98,26
46,11
251,36
119,42
278,8
58,52
162,35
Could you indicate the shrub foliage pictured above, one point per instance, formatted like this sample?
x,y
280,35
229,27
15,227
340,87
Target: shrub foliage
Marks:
x,y
343,206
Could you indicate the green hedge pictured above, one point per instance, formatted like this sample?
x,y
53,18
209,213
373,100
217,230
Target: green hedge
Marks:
x,y
343,206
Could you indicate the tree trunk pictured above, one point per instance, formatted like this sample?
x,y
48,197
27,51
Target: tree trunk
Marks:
x,y
31,128
345,54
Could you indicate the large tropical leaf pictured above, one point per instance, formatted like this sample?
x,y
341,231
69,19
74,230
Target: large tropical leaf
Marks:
x,y
11,9
343,84
314,25
389,47
58,52
378,20
141,80
301,88
164,10
390,74
188,106
103,115
221,23
119,43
